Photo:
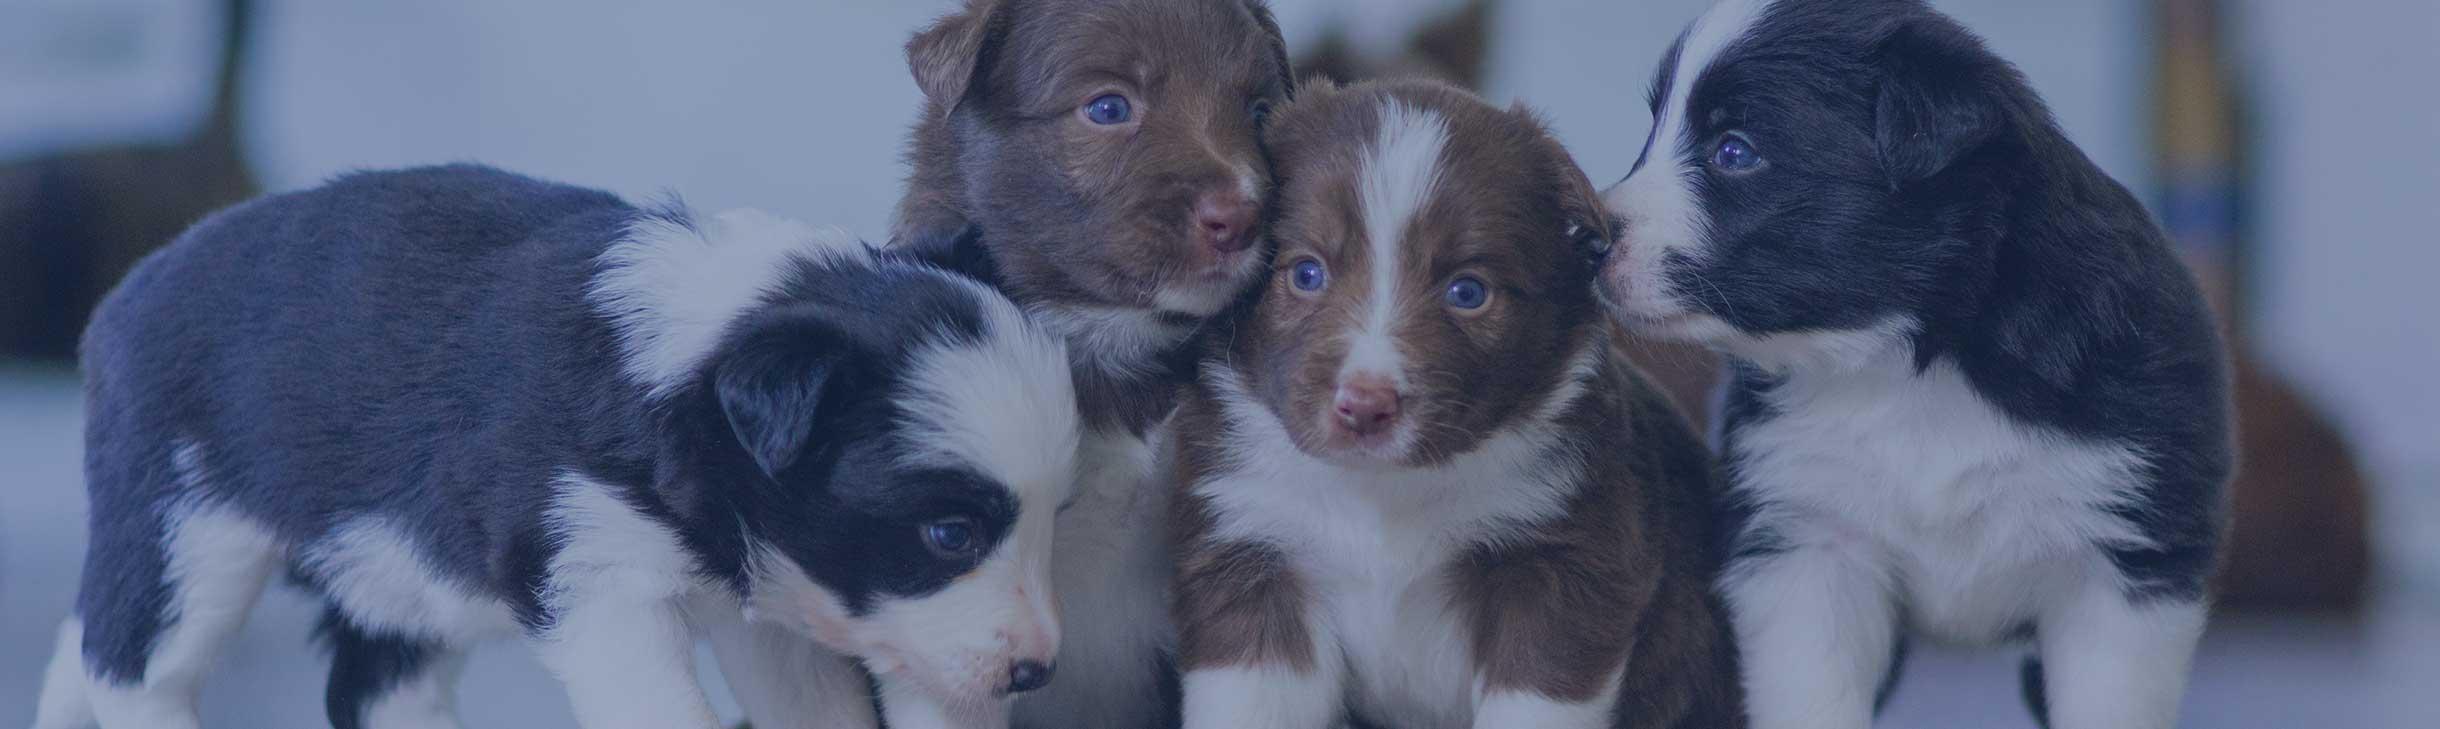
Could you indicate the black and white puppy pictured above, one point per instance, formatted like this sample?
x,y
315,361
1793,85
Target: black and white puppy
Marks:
x,y
458,403
1975,396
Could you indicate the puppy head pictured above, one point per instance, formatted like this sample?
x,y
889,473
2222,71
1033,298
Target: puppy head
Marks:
x,y
1108,147
1810,179
904,438
1433,280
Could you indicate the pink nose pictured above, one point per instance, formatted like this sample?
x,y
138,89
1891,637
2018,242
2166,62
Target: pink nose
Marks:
x,y
1367,405
1224,221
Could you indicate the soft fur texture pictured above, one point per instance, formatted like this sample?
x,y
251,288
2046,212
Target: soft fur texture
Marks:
x,y
1398,511
461,404
1974,398
1104,233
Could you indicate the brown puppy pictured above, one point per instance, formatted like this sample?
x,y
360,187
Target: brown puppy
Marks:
x,y
1419,489
1099,161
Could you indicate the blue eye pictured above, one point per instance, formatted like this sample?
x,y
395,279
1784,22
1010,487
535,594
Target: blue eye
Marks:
x,y
1307,275
1467,292
951,538
1735,154
1109,109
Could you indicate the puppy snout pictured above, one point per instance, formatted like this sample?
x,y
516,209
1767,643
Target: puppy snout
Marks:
x,y
1366,404
1224,221
1028,675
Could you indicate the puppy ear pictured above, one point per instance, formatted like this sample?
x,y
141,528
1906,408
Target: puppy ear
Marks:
x,y
1938,99
1588,224
1276,41
772,387
961,253
944,56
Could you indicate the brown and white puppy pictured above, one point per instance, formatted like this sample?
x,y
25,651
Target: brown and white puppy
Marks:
x,y
1099,161
1418,487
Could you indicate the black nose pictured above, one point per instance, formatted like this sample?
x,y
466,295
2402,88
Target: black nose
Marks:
x,y
1027,676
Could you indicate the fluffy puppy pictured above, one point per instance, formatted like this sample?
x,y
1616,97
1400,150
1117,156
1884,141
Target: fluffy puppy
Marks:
x,y
1098,160
1418,488
459,404
1975,397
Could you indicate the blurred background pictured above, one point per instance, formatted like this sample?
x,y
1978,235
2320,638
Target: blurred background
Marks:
x,y
2292,148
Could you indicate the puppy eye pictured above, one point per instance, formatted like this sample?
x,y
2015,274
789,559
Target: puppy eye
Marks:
x,y
1109,109
1467,293
1735,154
1308,276
1261,112
953,538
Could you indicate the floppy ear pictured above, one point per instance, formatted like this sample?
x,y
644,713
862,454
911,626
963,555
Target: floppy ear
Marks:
x,y
1938,99
1588,223
773,388
944,56
1276,41
961,253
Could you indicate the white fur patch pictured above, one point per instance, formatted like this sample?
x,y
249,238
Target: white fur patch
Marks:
x,y
1907,494
782,679
1115,340
1401,168
619,639
219,561
1264,696
63,705
1371,543
1110,571
1006,404
376,574
2110,663
1514,708
672,290
1658,200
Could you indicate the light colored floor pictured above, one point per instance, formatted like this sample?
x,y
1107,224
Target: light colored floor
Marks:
x,y
2254,671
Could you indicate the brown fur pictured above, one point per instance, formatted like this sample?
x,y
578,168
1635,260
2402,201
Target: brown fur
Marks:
x,y
1488,364
1623,576
1077,217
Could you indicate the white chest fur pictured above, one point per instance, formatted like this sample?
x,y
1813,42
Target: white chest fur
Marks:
x,y
1373,546
1110,568
1971,514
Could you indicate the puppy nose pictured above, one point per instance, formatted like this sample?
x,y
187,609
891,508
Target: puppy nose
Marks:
x,y
1028,676
1367,405
1224,221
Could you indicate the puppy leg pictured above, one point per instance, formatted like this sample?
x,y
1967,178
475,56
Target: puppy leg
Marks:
x,y
783,680
389,682
217,565
1268,696
907,706
63,704
1515,708
2117,663
628,662
1816,629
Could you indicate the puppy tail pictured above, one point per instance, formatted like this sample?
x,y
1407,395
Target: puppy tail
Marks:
x,y
63,704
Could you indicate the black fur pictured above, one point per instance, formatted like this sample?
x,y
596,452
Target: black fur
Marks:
x,y
1911,173
419,346
364,666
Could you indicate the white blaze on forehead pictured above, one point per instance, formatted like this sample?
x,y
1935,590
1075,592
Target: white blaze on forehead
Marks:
x,y
1658,200
1399,172
1711,34
671,288
1004,405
